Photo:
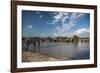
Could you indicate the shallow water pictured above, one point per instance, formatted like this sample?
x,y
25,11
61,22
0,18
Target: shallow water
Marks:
x,y
64,50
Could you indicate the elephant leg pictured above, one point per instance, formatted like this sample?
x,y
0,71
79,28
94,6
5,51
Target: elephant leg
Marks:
x,y
27,46
34,46
38,45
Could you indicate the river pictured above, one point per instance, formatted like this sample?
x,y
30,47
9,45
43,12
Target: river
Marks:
x,y
74,51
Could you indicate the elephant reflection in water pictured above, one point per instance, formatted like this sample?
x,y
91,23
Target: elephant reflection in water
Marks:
x,y
35,41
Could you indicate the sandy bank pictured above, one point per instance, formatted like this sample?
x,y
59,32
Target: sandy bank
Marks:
x,y
30,56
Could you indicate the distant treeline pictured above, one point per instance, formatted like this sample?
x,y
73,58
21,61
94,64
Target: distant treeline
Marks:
x,y
75,38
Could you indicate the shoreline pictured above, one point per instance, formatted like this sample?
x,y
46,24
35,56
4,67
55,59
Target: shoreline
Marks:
x,y
31,56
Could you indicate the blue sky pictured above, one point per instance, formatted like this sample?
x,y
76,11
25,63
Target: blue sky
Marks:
x,y
45,23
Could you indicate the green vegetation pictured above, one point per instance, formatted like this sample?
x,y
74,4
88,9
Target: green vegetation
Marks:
x,y
74,39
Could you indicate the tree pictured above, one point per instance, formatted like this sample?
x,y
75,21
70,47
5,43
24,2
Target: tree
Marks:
x,y
75,38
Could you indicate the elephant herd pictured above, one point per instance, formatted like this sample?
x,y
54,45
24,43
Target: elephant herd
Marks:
x,y
34,41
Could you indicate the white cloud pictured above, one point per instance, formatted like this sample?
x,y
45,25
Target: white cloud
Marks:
x,y
55,34
61,16
67,20
64,19
66,27
55,13
55,20
58,16
40,16
37,12
42,34
29,26
72,22
66,13
84,32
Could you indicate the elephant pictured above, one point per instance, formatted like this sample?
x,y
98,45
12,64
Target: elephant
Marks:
x,y
35,41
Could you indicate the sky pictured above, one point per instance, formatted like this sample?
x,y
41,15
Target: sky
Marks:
x,y
46,23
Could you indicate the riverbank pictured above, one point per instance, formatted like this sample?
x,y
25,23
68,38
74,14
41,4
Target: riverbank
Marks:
x,y
31,56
